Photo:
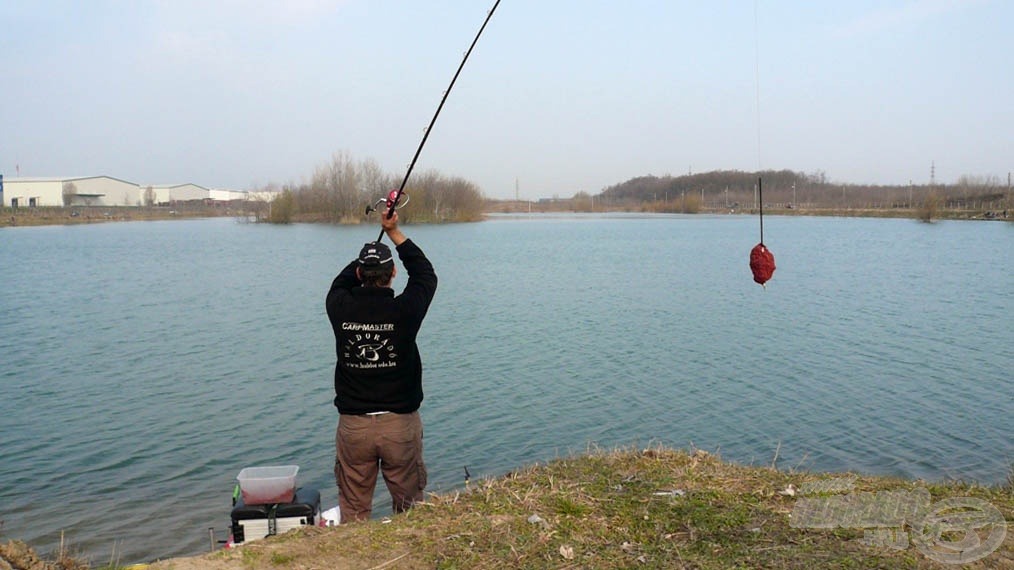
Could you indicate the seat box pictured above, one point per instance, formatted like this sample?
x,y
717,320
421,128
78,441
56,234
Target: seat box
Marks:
x,y
252,522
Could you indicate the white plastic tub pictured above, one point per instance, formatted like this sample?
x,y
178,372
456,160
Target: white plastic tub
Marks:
x,y
268,485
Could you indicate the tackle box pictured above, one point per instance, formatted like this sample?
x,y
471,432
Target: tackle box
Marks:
x,y
251,522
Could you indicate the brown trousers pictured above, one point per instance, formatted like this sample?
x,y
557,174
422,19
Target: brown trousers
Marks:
x,y
390,443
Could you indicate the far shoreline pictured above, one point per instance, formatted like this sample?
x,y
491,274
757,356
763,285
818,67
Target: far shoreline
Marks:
x,y
67,216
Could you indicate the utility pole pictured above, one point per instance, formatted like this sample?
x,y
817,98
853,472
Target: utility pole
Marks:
x,y
909,193
793,194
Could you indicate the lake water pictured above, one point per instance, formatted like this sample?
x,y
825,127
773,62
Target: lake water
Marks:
x,y
144,364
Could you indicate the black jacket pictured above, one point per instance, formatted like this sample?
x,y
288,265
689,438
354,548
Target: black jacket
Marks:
x,y
379,368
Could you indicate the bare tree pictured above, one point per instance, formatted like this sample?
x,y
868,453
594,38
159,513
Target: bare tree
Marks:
x,y
281,209
339,191
464,200
929,208
428,201
69,192
581,201
373,183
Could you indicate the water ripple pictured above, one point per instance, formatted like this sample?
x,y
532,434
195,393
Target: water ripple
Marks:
x,y
133,396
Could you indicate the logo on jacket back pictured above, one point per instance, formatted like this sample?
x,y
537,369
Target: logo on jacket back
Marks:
x,y
370,346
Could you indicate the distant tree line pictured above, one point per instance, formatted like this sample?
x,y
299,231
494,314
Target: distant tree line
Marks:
x,y
788,189
339,191
784,191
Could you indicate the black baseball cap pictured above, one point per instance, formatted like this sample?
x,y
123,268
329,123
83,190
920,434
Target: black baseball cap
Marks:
x,y
375,254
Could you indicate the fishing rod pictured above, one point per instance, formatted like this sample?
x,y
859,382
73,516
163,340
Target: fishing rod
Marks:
x,y
392,199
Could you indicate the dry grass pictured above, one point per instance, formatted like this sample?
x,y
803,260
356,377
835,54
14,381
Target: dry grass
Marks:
x,y
94,215
18,555
654,508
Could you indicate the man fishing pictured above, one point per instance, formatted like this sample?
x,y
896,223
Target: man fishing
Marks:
x,y
378,376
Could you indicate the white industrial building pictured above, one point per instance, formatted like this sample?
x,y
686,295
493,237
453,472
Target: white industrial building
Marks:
x,y
262,195
172,193
223,195
109,191
74,191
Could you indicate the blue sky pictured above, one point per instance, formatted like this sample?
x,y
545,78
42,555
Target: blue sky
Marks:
x,y
559,96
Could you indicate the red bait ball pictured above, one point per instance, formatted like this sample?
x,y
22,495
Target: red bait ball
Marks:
x,y
762,263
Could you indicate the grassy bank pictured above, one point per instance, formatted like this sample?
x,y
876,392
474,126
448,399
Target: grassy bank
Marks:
x,y
656,508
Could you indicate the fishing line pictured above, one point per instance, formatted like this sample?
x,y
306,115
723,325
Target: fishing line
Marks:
x,y
756,76
393,201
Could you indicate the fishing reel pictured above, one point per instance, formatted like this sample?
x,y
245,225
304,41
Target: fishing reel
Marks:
x,y
388,202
